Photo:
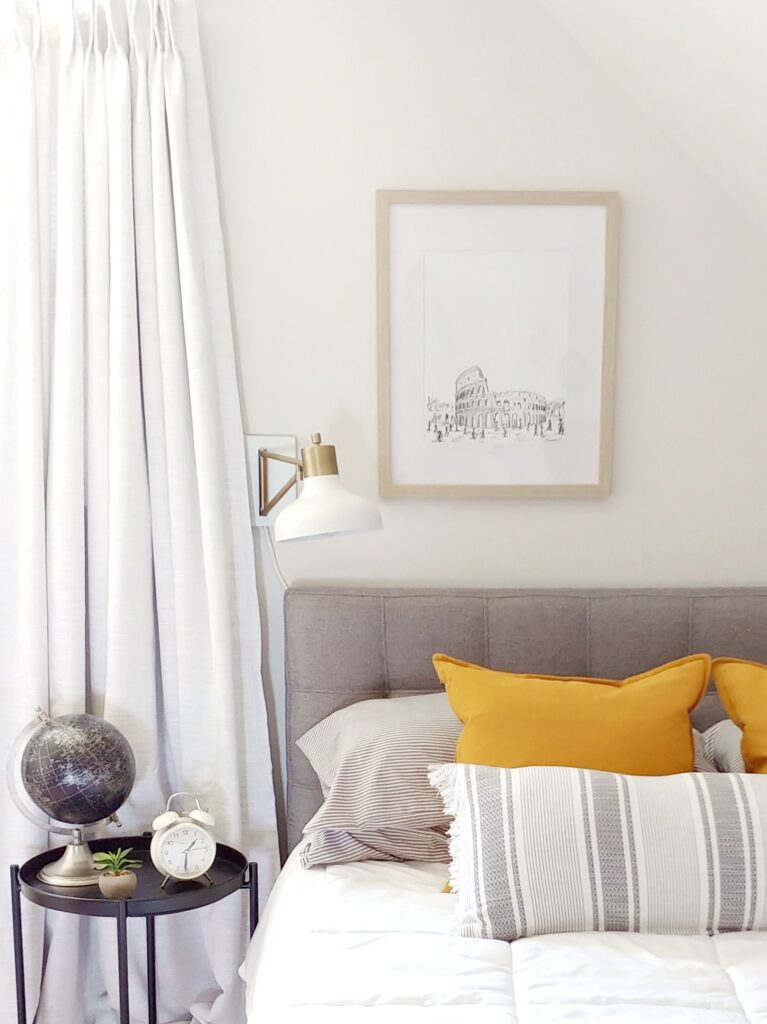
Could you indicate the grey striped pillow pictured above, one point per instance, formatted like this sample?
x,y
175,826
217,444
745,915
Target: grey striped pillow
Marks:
x,y
722,746
704,762
372,761
543,850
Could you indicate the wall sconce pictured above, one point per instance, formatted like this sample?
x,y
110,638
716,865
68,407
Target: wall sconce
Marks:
x,y
324,505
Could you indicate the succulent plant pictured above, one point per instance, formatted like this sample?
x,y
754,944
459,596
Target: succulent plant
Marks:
x,y
116,862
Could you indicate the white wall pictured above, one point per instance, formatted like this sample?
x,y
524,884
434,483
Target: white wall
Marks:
x,y
315,106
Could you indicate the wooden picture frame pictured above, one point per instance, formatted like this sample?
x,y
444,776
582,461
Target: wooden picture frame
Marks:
x,y
432,250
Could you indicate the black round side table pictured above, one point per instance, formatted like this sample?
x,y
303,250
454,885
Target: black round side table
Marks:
x,y
230,872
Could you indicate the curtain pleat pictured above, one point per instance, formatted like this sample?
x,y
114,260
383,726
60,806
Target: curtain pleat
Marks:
x,y
126,571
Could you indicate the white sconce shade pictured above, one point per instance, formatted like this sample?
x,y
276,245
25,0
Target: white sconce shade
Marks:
x,y
324,506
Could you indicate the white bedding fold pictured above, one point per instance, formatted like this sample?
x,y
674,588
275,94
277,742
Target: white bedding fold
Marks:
x,y
373,942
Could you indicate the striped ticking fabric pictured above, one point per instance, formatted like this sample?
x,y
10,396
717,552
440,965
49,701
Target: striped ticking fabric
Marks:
x,y
372,761
704,761
542,850
722,746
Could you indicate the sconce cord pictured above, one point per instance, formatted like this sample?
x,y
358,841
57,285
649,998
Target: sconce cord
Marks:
x,y
273,552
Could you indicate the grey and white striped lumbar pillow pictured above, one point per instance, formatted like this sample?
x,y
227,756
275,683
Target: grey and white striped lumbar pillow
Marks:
x,y
542,850
372,761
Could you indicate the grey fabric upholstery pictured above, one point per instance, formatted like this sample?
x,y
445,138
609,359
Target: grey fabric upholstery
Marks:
x,y
344,645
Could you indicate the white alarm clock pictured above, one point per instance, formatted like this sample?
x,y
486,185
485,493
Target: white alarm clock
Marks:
x,y
183,846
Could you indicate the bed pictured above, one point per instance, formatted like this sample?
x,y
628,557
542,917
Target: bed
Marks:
x,y
374,941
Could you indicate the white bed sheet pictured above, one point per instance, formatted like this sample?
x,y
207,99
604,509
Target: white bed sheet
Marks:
x,y
371,942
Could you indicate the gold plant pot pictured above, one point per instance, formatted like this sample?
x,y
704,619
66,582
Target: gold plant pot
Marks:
x,y
118,887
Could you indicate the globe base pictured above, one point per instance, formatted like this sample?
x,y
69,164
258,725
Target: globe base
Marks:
x,y
73,868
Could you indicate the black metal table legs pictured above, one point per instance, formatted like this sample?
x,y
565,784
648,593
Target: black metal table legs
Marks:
x,y
151,978
122,961
18,946
252,896
122,957
122,966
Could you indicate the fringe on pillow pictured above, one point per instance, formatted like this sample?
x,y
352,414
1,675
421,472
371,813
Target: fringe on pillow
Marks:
x,y
443,778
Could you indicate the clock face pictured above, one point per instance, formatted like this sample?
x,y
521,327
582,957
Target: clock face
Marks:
x,y
183,851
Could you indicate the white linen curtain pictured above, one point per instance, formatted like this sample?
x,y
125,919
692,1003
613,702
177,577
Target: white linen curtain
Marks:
x,y
127,583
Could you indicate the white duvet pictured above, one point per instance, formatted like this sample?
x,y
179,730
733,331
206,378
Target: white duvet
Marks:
x,y
372,942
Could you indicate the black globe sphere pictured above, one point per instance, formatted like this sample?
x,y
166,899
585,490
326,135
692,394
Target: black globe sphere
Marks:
x,y
78,769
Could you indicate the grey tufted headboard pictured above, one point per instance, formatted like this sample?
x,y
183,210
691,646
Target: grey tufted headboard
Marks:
x,y
344,645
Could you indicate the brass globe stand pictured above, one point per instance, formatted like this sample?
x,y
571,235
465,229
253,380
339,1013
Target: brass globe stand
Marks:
x,y
74,867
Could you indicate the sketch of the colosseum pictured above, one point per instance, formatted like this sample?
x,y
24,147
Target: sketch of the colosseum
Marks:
x,y
477,413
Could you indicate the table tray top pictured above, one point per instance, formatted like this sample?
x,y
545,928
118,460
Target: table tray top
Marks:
x,y
228,873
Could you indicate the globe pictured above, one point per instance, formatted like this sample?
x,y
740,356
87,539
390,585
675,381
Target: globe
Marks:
x,y
78,769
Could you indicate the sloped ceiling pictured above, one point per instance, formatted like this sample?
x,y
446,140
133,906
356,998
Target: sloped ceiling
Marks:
x,y
698,68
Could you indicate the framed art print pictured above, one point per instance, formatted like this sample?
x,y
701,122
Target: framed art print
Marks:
x,y
496,321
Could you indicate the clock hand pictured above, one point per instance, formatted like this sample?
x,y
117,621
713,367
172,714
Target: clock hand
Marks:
x,y
186,854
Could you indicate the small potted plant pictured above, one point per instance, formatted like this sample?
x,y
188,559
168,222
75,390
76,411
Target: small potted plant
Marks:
x,y
117,880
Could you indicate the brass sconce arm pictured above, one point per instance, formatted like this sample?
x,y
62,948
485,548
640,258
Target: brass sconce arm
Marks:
x,y
266,504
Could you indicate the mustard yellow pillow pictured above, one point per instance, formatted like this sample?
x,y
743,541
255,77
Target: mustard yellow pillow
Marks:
x,y
742,685
638,726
